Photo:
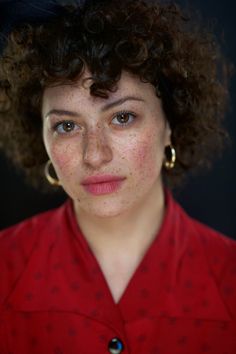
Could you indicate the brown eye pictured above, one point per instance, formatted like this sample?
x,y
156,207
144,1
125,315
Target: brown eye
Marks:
x,y
65,127
68,126
123,118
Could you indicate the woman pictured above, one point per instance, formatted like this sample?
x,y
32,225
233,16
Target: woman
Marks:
x,y
115,97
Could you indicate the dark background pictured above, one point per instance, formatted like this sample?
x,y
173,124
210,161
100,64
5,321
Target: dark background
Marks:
x,y
210,196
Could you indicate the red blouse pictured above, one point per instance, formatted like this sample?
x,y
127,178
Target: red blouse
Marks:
x,y
54,298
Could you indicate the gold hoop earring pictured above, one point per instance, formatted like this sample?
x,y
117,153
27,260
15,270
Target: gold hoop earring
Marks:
x,y
51,180
170,157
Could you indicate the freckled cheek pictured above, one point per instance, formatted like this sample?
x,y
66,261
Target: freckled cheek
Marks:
x,y
145,162
146,155
63,157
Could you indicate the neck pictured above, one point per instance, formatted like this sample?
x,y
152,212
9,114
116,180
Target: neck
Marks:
x,y
133,229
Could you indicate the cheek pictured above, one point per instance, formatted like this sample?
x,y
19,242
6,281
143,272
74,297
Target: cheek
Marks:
x,y
145,163
147,155
143,154
63,157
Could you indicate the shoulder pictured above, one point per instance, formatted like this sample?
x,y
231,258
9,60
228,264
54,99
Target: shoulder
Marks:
x,y
219,252
190,228
215,243
23,233
217,247
19,241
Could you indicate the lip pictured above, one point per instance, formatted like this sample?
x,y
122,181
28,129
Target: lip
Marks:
x,y
100,185
101,179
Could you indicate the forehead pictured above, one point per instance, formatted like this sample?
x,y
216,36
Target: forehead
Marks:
x,y
79,92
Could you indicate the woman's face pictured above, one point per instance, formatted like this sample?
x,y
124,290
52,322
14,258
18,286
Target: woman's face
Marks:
x,y
119,141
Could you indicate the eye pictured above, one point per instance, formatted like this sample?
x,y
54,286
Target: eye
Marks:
x,y
124,118
65,127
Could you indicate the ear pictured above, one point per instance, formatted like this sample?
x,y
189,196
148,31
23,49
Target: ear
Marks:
x,y
168,133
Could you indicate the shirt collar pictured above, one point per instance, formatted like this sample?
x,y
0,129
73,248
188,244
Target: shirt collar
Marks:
x,y
172,280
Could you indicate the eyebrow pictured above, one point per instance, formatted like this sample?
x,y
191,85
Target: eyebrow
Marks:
x,y
61,112
106,107
120,101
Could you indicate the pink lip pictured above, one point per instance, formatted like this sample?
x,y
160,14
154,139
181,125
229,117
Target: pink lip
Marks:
x,y
101,179
98,185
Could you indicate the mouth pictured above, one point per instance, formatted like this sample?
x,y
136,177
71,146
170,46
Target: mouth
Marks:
x,y
99,185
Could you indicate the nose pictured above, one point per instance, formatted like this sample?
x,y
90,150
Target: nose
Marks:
x,y
96,149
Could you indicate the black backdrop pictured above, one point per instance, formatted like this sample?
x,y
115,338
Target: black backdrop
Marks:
x,y
210,196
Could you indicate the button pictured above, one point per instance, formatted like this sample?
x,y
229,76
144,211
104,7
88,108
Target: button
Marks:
x,y
115,346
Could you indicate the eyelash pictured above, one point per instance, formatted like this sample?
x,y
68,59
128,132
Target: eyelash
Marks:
x,y
58,124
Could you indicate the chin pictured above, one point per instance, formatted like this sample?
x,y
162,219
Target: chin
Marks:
x,y
105,209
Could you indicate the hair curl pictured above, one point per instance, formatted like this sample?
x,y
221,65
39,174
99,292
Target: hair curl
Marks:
x,y
154,41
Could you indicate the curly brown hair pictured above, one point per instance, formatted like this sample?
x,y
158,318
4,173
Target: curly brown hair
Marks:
x,y
154,41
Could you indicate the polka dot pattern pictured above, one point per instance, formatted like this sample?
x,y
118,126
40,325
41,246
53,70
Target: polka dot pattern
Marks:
x,y
54,298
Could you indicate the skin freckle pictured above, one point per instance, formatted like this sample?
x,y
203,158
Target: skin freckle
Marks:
x,y
135,152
